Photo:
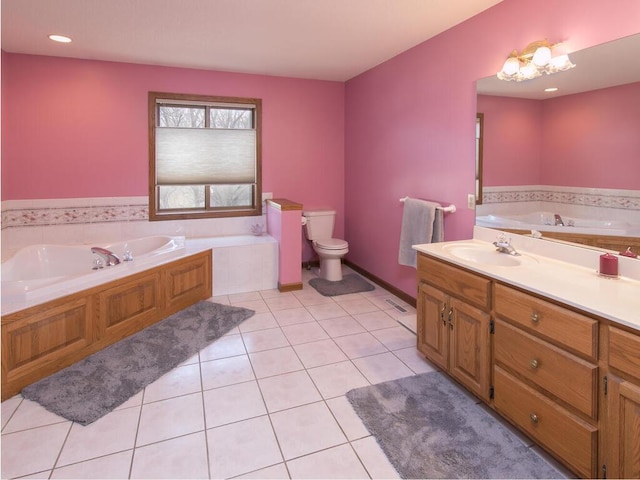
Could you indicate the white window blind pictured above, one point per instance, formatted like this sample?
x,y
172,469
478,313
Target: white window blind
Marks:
x,y
196,156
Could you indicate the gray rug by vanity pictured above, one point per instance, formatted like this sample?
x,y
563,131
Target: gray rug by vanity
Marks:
x,y
429,428
92,387
350,283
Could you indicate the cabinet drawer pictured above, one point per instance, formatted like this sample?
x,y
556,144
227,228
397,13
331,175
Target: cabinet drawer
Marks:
x,y
472,288
572,330
624,351
563,434
566,376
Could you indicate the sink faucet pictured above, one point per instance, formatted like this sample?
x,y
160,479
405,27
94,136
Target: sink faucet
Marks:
x,y
558,219
504,246
108,256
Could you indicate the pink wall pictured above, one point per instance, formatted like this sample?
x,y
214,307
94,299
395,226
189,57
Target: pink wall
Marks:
x,y
512,140
410,121
78,128
593,139
584,140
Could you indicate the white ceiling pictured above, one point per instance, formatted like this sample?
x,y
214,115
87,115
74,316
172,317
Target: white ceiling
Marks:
x,y
319,39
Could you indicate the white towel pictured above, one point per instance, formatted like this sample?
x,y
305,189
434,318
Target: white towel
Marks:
x,y
421,223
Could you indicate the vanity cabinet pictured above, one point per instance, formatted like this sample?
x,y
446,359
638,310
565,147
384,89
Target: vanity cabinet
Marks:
x,y
454,323
621,438
568,379
546,375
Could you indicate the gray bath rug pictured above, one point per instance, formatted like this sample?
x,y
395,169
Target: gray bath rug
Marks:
x,y
350,283
429,428
92,387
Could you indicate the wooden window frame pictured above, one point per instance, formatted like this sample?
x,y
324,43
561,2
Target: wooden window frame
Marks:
x,y
155,213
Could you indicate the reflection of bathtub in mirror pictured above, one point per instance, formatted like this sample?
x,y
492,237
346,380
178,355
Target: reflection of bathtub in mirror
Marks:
x,y
544,221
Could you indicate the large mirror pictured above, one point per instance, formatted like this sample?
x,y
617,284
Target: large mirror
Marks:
x,y
567,162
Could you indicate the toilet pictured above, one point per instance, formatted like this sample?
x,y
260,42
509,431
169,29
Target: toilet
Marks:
x,y
319,229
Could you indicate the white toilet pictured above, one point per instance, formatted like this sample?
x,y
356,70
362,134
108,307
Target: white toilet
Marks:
x,y
319,229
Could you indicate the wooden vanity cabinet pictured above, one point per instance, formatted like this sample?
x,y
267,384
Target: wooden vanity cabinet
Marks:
x,y
454,333
568,379
546,375
621,392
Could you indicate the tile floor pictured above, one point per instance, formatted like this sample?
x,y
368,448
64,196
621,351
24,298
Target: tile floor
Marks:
x,y
265,401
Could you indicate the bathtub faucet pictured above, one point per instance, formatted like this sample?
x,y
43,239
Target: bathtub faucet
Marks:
x,y
108,256
558,219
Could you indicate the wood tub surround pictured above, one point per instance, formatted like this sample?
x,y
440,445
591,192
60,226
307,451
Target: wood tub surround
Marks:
x,y
569,379
45,338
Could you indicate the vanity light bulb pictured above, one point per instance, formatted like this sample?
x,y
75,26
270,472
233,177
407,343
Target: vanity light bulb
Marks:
x,y
511,66
561,62
529,71
542,56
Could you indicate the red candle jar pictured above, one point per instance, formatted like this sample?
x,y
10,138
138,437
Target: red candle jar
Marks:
x,y
609,265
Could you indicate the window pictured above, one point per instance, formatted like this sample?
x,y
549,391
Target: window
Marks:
x,y
204,156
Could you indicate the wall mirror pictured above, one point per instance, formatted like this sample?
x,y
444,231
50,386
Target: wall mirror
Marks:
x,y
613,64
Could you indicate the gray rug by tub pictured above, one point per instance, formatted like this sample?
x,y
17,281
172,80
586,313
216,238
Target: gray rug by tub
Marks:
x,y
350,283
429,428
92,387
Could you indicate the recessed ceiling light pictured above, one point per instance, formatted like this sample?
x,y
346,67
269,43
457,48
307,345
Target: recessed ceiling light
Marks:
x,y
551,89
60,38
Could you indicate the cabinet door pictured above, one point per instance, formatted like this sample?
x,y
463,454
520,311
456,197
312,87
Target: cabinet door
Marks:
x,y
469,357
433,324
624,429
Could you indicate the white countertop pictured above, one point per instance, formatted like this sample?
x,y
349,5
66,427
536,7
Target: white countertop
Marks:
x,y
573,280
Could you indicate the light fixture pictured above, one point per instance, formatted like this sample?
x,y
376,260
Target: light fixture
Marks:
x,y
533,61
60,38
551,89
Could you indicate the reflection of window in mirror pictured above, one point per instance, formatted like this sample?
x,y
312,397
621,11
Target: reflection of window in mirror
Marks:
x,y
479,131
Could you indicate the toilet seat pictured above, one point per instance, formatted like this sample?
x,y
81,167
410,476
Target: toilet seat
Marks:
x,y
332,244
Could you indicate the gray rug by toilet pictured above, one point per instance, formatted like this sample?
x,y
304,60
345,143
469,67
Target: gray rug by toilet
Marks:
x,y
429,428
350,283
92,387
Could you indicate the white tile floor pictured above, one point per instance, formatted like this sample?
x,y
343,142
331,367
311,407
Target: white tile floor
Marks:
x,y
265,401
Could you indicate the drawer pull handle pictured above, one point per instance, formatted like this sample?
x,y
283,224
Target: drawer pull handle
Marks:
x,y
534,363
535,317
533,417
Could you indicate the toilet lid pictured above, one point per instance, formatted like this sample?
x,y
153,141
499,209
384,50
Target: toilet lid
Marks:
x,y
332,243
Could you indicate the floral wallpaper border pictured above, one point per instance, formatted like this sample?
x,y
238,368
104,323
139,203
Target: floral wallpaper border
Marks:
x,y
604,200
69,215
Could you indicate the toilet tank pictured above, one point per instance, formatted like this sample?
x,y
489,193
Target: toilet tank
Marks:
x,y
319,224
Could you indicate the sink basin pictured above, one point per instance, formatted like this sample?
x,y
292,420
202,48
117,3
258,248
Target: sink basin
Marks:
x,y
486,256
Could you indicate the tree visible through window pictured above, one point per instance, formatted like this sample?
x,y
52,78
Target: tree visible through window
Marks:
x,y
204,156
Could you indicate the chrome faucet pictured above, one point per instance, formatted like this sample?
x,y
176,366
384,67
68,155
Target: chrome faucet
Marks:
x,y
504,246
108,256
558,219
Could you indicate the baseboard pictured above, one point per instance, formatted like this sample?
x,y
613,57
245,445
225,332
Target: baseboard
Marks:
x,y
289,287
398,293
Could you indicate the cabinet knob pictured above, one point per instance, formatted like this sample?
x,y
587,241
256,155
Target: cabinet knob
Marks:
x,y
535,317
533,363
533,417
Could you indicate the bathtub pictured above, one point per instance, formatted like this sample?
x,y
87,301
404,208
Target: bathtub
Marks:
x,y
545,222
38,273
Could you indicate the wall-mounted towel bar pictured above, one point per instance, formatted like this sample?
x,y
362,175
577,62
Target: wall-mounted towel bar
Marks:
x,y
449,209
